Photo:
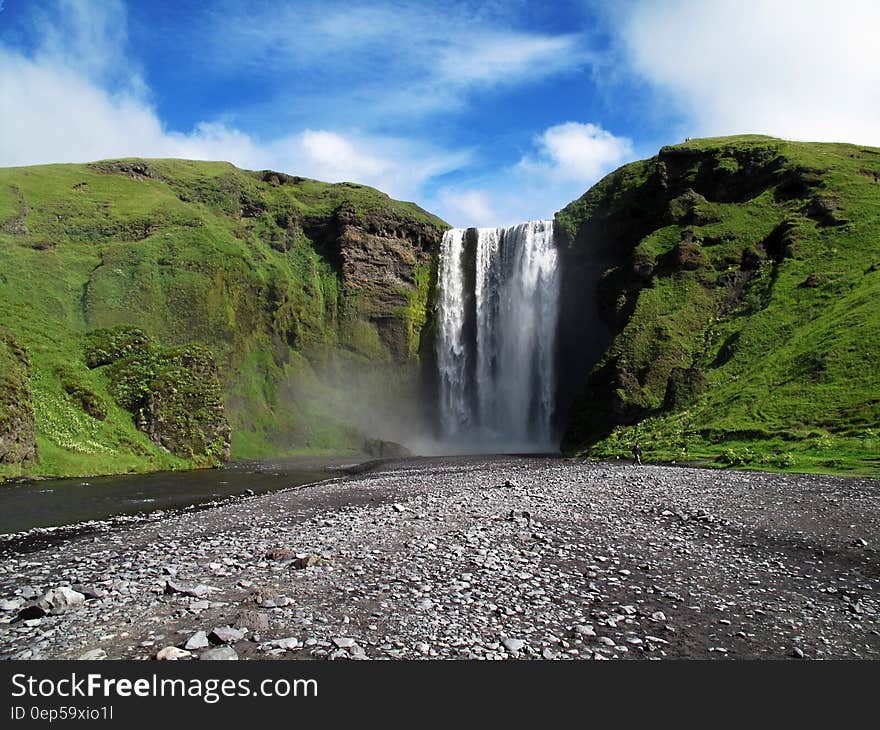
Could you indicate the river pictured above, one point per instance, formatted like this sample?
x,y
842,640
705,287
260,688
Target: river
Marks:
x,y
54,502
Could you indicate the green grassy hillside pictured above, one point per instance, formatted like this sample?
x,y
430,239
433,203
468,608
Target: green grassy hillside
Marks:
x,y
742,287
262,270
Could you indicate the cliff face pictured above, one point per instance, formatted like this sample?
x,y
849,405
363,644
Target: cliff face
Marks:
x,y
298,297
387,266
738,283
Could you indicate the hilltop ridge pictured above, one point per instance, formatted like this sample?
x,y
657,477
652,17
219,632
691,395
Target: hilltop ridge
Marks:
x,y
740,287
289,293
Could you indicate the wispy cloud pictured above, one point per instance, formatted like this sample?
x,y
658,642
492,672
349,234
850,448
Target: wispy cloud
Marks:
x,y
385,60
467,207
87,37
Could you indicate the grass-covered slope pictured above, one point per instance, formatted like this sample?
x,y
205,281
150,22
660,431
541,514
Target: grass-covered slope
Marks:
x,y
742,287
257,276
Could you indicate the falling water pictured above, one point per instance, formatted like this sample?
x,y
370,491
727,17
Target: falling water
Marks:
x,y
497,314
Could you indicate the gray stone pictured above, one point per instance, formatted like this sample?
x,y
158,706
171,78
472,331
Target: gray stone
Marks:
x,y
60,600
172,653
187,589
221,653
289,644
93,655
252,620
90,592
226,635
198,640
514,646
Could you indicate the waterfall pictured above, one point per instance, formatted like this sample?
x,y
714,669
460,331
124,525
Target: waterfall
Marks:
x,y
496,336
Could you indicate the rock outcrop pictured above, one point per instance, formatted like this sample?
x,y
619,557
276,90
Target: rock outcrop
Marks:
x,y
387,264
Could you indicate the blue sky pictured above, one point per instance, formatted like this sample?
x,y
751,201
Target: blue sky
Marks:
x,y
483,112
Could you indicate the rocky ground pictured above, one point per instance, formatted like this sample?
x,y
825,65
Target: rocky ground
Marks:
x,y
498,558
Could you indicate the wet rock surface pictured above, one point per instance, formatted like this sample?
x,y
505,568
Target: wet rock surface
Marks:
x,y
480,558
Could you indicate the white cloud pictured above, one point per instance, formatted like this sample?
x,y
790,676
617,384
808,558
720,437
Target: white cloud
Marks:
x,y
87,36
567,159
493,57
61,111
396,166
805,70
467,207
574,152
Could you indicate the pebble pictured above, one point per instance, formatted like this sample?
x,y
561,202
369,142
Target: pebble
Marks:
x,y
220,653
226,635
172,653
186,589
198,640
514,646
471,568
92,655
288,644
61,599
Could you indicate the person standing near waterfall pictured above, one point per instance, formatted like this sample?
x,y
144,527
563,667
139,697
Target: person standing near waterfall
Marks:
x,y
637,454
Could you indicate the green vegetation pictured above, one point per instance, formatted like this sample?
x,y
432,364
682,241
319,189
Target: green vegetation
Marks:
x,y
123,281
148,308
17,436
742,285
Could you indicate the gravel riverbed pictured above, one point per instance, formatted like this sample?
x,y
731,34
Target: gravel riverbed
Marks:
x,y
471,558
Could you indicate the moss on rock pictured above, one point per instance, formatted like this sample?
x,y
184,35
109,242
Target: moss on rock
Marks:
x,y
176,399
107,345
17,430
